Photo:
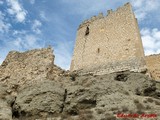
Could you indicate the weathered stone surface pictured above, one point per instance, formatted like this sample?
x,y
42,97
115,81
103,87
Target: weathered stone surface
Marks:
x,y
40,99
33,88
71,96
153,66
110,94
5,106
91,97
109,44
28,67
23,69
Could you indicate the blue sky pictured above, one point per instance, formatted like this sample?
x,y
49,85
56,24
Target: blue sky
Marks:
x,y
29,24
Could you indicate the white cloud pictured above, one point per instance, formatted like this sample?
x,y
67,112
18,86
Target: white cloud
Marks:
x,y
36,25
32,1
137,3
17,10
144,7
17,32
151,40
4,27
43,16
26,42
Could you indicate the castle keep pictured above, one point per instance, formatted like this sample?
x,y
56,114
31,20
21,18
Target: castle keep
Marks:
x,y
111,43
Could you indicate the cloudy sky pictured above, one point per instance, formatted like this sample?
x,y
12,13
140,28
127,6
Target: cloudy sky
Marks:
x,y
29,24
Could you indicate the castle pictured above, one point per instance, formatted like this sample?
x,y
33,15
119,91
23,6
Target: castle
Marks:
x,y
112,43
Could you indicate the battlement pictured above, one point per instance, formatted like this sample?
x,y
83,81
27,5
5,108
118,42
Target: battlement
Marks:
x,y
102,16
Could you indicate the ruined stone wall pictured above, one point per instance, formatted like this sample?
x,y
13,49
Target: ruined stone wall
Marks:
x,y
26,67
111,42
153,66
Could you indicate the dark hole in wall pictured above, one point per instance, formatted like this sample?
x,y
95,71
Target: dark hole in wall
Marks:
x,y
150,91
15,114
87,31
86,104
73,78
23,113
98,50
121,77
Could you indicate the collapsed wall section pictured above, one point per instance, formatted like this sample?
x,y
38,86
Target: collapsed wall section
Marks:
x,y
109,44
27,67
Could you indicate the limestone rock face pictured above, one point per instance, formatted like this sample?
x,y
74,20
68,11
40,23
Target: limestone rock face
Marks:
x,y
100,97
40,99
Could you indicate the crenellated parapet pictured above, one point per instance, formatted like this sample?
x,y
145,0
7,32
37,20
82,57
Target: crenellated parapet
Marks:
x,y
102,16
92,19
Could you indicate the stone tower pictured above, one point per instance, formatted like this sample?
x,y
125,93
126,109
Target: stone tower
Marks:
x,y
111,43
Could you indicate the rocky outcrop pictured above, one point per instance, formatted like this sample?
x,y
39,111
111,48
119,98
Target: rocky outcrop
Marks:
x,y
106,95
40,99
54,94
88,97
